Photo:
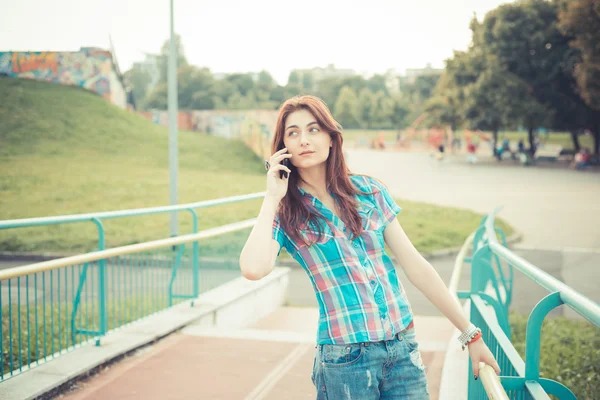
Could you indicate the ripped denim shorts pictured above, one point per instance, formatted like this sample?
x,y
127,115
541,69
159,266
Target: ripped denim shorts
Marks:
x,y
389,369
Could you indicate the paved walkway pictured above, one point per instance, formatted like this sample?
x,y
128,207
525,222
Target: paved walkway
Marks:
x,y
271,360
552,207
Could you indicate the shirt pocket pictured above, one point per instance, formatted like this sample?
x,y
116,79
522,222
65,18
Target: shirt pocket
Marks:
x,y
370,216
372,228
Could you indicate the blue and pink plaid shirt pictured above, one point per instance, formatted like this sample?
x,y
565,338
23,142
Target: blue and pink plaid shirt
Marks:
x,y
360,297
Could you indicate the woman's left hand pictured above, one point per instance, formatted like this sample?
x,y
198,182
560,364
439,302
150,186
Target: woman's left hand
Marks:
x,y
479,352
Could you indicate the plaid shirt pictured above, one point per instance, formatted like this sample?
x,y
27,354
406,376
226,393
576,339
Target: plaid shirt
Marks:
x,y
360,297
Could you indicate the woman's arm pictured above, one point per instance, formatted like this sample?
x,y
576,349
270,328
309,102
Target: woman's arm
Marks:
x,y
260,251
425,278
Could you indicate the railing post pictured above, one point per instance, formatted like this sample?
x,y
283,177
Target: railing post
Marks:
x,y
102,289
195,256
534,332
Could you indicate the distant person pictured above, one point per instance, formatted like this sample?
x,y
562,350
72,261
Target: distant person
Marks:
x,y
336,225
581,159
471,150
440,153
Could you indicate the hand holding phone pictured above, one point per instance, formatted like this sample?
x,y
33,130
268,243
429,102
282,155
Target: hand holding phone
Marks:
x,y
286,162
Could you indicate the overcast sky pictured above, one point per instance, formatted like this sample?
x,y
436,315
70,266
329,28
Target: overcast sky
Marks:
x,y
242,36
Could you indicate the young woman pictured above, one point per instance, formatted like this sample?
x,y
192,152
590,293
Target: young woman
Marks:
x,y
335,224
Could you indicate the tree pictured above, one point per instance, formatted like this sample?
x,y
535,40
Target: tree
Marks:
x,y
265,82
163,60
242,82
139,79
158,98
328,89
525,40
399,112
294,78
224,89
366,108
195,87
499,98
308,81
346,108
376,83
580,21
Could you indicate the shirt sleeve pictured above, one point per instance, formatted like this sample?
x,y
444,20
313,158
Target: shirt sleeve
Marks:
x,y
384,201
278,233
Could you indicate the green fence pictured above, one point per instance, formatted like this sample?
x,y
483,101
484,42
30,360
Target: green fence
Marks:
x,y
52,307
492,271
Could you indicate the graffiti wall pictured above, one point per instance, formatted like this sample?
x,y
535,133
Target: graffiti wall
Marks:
x,y
253,127
89,68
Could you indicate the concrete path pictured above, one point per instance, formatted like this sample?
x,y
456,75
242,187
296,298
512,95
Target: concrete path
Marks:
x,y
552,207
270,360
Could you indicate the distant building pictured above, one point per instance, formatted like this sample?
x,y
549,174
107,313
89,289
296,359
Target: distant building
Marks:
x,y
151,66
330,71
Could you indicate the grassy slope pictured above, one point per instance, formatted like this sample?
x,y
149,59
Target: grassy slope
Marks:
x,y
65,151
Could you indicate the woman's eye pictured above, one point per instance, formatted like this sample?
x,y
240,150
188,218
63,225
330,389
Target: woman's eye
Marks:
x,y
314,129
292,133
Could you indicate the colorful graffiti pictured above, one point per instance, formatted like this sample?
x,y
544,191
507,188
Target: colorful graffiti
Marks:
x,y
89,68
253,127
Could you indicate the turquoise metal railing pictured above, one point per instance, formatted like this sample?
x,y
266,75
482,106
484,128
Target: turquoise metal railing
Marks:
x,y
47,312
490,295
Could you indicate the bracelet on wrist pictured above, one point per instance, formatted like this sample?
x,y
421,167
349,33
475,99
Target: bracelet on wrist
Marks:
x,y
470,334
476,338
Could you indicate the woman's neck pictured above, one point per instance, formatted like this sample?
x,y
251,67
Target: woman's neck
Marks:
x,y
313,181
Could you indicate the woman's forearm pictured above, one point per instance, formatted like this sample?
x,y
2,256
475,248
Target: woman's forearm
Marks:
x,y
256,258
429,282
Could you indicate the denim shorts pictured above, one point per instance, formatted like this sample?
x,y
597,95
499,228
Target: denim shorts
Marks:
x,y
389,369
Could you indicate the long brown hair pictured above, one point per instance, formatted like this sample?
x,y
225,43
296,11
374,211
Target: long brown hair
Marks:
x,y
293,212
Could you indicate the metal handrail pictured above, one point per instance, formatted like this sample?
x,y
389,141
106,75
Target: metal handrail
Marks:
x,y
578,302
458,264
118,251
29,222
489,378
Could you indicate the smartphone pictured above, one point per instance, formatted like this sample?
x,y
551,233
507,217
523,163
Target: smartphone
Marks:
x,y
286,162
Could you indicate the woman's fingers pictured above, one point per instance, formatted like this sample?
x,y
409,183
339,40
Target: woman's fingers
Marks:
x,y
276,159
279,167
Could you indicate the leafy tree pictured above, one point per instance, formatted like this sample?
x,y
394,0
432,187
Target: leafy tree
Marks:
x,y
580,21
163,60
366,108
308,81
158,98
525,40
346,108
139,80
242,82
294,78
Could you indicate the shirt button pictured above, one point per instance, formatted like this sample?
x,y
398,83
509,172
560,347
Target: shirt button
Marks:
x,y
355,245
373,282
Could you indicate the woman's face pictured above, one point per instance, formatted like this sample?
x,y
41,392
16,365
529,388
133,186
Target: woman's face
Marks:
x,y
305,140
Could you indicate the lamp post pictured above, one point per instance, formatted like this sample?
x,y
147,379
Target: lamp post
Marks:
x,y
172,99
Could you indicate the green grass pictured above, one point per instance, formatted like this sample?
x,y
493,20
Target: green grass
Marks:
x,y
67,151
570,352
39,338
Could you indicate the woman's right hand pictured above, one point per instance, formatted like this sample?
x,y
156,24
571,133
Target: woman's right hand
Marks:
x,y
276,186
